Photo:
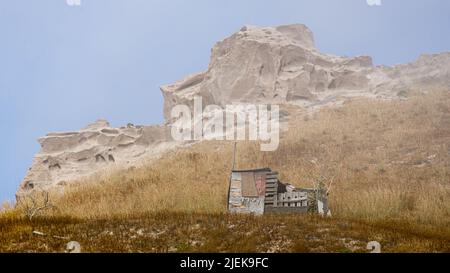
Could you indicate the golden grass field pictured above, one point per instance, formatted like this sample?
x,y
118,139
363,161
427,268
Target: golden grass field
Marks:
x,y
388,163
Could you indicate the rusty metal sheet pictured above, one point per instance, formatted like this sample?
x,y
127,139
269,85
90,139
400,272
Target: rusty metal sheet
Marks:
x,y
260,181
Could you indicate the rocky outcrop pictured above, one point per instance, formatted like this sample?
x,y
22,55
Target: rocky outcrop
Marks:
x,y
269,65
68,156
428,72
282,65
276,65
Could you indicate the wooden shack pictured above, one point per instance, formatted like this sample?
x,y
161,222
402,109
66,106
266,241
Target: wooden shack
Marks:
x,y
259,191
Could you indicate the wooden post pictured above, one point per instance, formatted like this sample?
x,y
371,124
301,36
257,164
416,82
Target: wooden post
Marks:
x,y
234,156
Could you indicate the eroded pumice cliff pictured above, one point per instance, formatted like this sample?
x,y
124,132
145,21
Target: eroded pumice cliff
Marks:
x,y
282,65
68,156
270,65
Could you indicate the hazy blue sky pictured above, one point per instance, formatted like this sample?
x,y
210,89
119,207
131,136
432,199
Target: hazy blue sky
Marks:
x,y
62,67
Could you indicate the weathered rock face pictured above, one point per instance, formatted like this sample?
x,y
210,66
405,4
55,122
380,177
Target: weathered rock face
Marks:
x,y
428,72
282,65
255,65
71,155
269,65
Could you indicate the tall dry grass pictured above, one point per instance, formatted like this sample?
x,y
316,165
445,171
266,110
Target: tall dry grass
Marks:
x,y
388,160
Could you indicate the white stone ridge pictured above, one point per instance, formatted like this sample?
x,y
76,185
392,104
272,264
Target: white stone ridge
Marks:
x,y
282,65
68,156
258,65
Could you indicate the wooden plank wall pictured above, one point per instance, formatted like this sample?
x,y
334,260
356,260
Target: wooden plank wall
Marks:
x,y
271,189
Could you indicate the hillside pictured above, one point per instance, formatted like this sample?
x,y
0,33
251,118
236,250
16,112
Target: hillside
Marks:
x,y
388,160
257,65
198,232
378,137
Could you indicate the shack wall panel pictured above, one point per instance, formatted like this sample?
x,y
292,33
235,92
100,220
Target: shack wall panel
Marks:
x,y
249,185
235,198
237,203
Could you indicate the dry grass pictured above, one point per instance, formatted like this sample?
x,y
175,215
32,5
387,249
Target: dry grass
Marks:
x,y
388,160
212,232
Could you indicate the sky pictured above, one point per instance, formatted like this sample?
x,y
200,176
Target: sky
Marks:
x,y
64,66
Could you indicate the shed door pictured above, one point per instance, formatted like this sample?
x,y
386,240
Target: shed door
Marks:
x,y
249,185
253,184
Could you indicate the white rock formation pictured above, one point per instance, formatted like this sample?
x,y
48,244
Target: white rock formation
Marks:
x,y
68,156
282,65
277,65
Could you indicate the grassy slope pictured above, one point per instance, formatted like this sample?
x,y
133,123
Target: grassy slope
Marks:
x,y
389,163
198,232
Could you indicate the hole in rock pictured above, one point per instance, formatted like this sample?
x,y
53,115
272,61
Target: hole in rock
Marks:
x,y
54,167
111,158
99,158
